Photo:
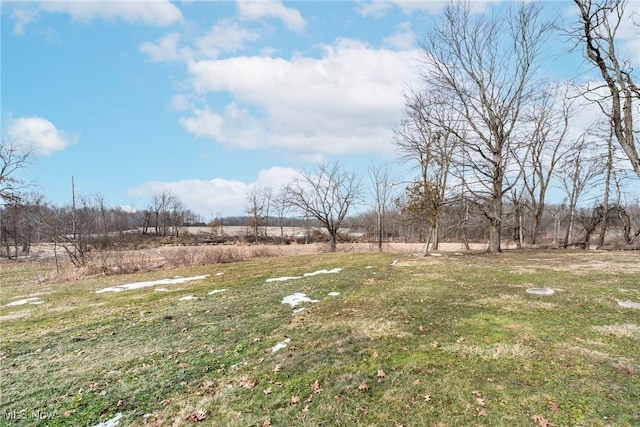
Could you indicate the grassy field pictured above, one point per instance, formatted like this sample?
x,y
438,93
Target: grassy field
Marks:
x,y
393,340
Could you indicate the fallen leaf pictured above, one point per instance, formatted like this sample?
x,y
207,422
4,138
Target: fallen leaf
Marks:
x,y
120,403
480,412
381,373
267,391
306,408
277,368
476,393
363,387
196,416
246,382
267,423
206,385
554,406
295,399
430,371
480,401
542,421
427,398
316,387
68,413
434,344
375,354
416,382
363,410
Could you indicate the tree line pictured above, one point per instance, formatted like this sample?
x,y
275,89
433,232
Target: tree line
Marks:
x,y
488,137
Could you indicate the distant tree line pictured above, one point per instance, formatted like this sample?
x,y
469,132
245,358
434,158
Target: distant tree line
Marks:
x,y
488,139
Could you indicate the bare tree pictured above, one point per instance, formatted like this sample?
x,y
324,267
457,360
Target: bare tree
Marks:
x,y
485,65
13,158
545,146
425,135
257,203
326,194
280,203
598,30
160,206
576,172
380,176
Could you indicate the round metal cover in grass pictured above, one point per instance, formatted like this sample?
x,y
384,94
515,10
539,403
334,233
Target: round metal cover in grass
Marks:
x,y
540,291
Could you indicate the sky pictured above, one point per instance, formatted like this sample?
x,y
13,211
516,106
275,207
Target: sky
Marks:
x,y
208,99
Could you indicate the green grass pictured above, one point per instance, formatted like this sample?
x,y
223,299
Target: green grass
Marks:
x,y
446,341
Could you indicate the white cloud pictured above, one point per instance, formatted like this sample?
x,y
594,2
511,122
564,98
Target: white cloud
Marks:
x,y
224,37
378,8
216,195
257,10
151,12
39,134
375,8
404,38
166,49
23,17
346,101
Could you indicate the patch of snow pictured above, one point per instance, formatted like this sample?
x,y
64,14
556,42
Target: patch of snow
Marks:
x,y
296,299
219,274
216,291
188,298
161,289
333,294
283,279
435,254
395,261
298,310
281,345
138,285
25,301
629,304
369,266
113,422
315,273
540,291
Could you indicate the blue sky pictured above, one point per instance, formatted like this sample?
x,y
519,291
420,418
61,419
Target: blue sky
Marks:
x,y
207,99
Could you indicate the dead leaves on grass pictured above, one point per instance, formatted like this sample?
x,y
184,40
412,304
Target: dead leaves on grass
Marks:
x,y
196,416
542,421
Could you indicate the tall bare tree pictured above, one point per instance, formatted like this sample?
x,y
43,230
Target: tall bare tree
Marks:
x,y
425,136
545,146
256,205
326,194
381,182
598,31
576,173
13,158
485,64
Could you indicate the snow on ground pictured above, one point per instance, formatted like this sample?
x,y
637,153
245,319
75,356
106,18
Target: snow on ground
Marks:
x,y
281,345
216,291
138,285
113,422
315,273
334,294
283,279
34,300
188,298
629,304
297,298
